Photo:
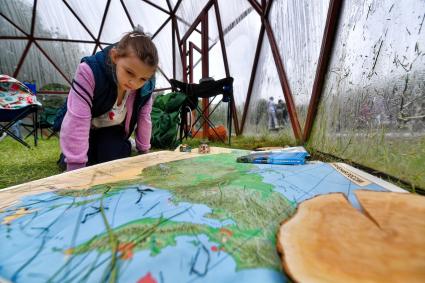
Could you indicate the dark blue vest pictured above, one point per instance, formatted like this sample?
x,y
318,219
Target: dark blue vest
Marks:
x,y
105,91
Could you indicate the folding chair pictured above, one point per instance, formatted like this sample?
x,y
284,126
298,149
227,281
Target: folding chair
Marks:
x,y
16,102
46,121
207,88
10,117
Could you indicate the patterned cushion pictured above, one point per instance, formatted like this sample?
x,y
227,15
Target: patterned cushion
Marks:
x,y
14,94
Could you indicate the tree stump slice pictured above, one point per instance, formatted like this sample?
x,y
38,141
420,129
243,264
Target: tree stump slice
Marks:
x,y
328,240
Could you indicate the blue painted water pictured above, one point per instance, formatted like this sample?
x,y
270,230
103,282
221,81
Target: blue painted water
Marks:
x,y
32,247
301,182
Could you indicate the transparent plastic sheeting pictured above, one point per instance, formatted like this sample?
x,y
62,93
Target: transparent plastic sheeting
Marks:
x,y
241,26
142,13
187,13
266,84
373,103
55,20
10,54
240,22
20,12
298,28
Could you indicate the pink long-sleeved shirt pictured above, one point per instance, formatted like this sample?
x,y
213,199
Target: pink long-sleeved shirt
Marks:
x,y
75,129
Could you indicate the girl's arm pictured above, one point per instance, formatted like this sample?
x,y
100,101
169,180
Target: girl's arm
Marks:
x,y
74,134
144,128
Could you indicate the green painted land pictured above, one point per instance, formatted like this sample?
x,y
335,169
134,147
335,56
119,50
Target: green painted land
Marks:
x,y
230,190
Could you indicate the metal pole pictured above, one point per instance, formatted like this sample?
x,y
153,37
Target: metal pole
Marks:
x,y
197,20
191,62
205,68
184,60
253,74
173,42
322,66
226,67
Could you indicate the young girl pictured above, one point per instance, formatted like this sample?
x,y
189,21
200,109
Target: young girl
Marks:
x,y
110,94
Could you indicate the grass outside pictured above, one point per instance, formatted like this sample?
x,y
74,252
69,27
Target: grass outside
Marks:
x,y
398,156
19,164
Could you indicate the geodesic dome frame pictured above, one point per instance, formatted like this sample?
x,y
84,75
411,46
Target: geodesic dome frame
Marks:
x,y
184,46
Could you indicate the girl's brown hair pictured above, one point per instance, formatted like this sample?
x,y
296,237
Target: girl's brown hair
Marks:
x,y
141,44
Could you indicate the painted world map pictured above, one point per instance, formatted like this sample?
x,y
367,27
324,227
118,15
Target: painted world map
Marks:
x,y
203,219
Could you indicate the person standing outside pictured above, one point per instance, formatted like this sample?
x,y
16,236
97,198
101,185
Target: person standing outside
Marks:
x,y
271,110
281,112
